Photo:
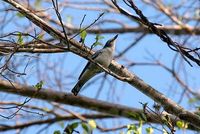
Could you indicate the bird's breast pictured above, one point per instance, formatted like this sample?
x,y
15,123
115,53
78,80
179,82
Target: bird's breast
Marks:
x,y
105,58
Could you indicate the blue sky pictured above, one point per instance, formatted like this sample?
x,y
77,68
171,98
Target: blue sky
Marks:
x,y
123,93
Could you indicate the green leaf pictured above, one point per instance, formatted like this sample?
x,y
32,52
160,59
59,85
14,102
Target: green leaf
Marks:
x,y
69,129
192,100
139,129
20,39
97,40
134,129
98,37
74,125
56,132
46,109
129,132
143,117
92,124
131,127
18,14
61,124
182,124
39,85
96,43
40,36
83,35
69,19
121,132
85,127
149,130
180,18
170,5
38,3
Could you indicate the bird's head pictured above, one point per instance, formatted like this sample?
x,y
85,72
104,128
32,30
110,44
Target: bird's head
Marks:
x,y
111,42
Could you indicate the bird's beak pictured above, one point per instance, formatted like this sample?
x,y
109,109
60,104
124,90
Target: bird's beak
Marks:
x,y
114,38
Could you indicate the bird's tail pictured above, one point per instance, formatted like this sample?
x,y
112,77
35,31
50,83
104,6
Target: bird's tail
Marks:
x,y
77,88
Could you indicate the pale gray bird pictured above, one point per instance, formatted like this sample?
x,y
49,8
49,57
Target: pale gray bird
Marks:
x,y
103,56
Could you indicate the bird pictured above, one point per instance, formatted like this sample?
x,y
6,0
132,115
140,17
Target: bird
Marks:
x,y
103,56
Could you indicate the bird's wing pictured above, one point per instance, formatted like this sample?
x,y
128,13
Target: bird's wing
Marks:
x,y
88,64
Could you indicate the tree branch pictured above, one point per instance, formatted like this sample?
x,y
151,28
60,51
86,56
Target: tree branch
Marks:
x,y
53,120
169,105
112,110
